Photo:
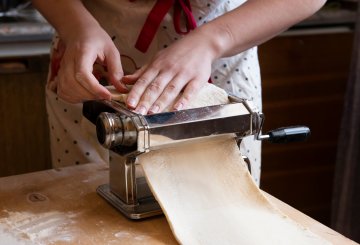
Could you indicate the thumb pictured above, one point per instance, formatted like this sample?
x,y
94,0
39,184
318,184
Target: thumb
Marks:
x,y
115,71
83,74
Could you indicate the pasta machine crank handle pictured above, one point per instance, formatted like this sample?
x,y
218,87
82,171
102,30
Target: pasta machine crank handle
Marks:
x,y
286,134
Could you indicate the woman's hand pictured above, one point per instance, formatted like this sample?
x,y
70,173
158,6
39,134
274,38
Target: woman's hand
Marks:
x,y
75,81
185,65
85,43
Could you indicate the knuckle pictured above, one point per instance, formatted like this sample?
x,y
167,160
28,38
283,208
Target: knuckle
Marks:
x,y
154,87
170,93
186,98
171,65
112,51
171,88
141,82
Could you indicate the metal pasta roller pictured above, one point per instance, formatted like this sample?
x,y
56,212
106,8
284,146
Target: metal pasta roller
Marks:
x,y
127,134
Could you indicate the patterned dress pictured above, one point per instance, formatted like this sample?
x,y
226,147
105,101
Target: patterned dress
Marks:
x,y
130,23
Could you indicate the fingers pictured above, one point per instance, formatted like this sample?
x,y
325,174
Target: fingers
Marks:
x,y
83,74
91,84
76,83
82,96
69,89
190,92
183,64
131,79
152,93
115,70
155,89
139,88
155,96
171,91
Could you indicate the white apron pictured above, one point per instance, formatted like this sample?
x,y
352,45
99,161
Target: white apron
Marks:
x,y
73,139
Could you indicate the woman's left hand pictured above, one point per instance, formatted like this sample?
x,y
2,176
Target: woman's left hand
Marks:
x,y
185,65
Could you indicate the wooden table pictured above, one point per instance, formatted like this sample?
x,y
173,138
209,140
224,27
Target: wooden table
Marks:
x,y
60,206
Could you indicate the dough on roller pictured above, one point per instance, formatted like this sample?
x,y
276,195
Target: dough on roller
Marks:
x,y
209,197
116,95
207,96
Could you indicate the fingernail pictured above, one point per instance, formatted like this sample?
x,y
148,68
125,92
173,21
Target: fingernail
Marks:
x,y
125,79
131,102
154,109
141,110
178,106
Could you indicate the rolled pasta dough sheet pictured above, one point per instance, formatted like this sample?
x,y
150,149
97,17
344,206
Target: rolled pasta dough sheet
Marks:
x,y
209,197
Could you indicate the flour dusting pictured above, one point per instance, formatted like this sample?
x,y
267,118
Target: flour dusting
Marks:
x,y
42,228
122,234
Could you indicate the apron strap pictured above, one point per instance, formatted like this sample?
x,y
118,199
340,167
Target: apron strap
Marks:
x,y
157,14
183,5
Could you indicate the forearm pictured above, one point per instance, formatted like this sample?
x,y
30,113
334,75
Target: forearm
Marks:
x,y
255,22
66,16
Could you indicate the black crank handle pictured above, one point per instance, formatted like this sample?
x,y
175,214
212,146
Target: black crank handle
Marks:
x,y
287,134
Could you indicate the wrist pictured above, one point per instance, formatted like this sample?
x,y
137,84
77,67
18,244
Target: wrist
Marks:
x,y
70,18
217,38
74,29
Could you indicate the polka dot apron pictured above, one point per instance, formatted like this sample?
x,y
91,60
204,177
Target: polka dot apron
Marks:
x,y
139,28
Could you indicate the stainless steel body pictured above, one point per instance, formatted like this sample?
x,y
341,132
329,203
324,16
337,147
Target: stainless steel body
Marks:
x,y
128,134
136,134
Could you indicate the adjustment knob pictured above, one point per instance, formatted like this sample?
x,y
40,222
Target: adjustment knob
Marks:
x,y
109,129
115,130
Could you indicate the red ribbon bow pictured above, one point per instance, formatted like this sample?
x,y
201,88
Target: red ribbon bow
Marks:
x,y
157,14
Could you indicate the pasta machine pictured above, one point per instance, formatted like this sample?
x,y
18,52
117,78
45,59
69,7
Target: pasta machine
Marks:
x,y
127,134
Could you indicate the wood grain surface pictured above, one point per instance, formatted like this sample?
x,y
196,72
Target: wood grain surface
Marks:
x,y
60,206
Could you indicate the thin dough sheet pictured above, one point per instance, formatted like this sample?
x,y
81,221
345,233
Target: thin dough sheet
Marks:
x,y
209,197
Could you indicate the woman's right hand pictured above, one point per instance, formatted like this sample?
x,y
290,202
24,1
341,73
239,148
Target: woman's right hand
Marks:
x,y
83,47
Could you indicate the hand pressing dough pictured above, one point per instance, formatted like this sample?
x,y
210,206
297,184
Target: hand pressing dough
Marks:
x,y
207,96
209,197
